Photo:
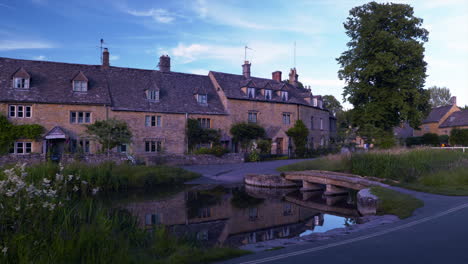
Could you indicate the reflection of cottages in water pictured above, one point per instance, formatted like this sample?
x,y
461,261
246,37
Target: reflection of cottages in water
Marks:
x,y
213,219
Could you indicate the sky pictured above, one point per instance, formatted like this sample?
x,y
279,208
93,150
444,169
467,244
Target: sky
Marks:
x,y
204,35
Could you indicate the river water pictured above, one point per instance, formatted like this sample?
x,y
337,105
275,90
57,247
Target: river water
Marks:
x,y
236,215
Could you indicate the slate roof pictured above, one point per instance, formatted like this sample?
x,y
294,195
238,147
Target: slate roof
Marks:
x,y
232,84
122,88
459,118
436,114
51,82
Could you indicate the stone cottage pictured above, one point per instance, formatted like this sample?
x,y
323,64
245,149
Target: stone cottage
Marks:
x,y
156,104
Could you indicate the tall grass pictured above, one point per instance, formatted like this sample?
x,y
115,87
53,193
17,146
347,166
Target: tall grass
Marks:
x,y
112,177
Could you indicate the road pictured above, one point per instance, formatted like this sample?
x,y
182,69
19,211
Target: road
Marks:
x,y
436,233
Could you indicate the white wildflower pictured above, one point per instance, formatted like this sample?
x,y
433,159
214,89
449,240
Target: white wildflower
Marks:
x,y
75,188
51,206
4,250
84,182
95,190
70,177
17,208
58,177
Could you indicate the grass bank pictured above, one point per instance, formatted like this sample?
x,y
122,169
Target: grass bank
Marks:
x,y
395,203
429,170
112,177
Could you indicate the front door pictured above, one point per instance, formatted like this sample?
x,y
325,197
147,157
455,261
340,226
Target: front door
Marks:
x,y
56,148
279,146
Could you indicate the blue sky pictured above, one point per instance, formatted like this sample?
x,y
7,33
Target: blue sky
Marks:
x,y
203,35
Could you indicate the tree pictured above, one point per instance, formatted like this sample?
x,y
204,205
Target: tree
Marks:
x,y
244,133
459,137
198,135
109,133
384,67
332,104
440,96
299,133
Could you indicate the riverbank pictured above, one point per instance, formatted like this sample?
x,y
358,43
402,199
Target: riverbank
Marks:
x,y
52,214
435,171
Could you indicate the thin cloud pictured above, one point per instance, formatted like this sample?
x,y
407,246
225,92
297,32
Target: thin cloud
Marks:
x,y
6,45
114,57
158,15
40,57
199,71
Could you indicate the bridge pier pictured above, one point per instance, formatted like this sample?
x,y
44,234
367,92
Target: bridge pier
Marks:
x,y
332,200
307,186
334,190
307,195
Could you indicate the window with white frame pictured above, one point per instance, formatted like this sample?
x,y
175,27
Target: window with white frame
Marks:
x,y
321,124
19,111
284,96
84,145
152,95
123,148
286,118
153,146
153,121
202,99
21,83
251,92
314,102
78,117
252,117
152,219
21,148
80,86
268,94
204,122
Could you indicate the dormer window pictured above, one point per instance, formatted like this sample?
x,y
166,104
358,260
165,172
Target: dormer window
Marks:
x,y
21,79
202,99
251,92
268,94
152,95
284,96
21,83
80,83
80,86
314,101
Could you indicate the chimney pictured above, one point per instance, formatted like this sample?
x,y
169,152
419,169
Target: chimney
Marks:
x,y
105,59
453,100
293,77
246,69
164,63
276,76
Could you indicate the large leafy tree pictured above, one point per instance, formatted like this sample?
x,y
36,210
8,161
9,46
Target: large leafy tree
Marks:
x,y
198,135
109,133
384,67
440,96
245,133
332,104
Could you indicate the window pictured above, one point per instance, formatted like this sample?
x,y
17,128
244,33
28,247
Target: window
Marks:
x,y
287,209
80,86
84,145
320,103
253,213
153,121
202,99
204,212
321,124
311,123
153,146
22,147
286,118
314,101
268,94
252,117
80,117
152,95
204,122
202,235
251,92
19,111
284,96
152,219
21,83
122,148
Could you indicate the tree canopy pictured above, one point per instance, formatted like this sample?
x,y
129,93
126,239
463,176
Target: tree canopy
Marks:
x,y
384,67
332,104
440,96
299,133
198,135
109,133
246,132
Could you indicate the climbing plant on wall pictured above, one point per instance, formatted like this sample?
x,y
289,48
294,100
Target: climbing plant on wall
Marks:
x,y
10,132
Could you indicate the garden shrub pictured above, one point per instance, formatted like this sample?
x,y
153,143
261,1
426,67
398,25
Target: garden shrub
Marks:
x,y
459,137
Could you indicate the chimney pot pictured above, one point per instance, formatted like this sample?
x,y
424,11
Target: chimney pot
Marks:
x,y
276,76
293,77
453,100
246,69
164,63
105,58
